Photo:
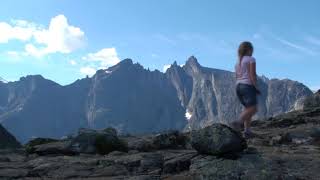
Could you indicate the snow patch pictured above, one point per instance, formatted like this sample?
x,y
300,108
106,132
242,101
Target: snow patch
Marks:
x,y
165,67
188,115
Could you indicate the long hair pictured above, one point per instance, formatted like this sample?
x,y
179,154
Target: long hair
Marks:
x,y
245,49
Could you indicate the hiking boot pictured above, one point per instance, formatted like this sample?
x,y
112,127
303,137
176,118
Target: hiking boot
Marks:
x,y
248,135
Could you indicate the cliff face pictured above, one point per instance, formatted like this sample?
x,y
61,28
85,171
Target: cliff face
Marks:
x,y
312,101
34,106
209,94
135,100
125,96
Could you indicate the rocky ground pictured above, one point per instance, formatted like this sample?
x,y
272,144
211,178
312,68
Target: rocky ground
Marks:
x,y
286,147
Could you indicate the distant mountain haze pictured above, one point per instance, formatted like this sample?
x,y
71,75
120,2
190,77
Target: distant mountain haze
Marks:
x,y
135,100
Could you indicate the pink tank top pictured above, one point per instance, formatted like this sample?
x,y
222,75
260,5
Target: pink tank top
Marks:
x,y
242,72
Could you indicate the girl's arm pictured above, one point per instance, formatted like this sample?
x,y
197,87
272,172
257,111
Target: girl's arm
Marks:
x,y
235,71
253,74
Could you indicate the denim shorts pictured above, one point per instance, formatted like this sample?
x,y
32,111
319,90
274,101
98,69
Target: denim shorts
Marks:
x,y
247,94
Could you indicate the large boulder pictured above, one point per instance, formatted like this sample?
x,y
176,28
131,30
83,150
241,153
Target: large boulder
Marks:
x,y
30,147
97,141
7,140
166,140
170,140
55,148
217,139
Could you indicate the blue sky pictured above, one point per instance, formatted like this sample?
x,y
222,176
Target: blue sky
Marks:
x,y
64,40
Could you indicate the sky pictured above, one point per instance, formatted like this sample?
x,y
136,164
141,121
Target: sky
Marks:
x,y
65,40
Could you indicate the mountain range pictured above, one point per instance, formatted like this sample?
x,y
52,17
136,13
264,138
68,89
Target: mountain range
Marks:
x,y
135,100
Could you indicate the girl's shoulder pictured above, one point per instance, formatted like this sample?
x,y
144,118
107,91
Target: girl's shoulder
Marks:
x,y
250,59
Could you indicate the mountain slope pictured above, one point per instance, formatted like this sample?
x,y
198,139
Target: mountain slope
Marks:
x,y
135,100
213,98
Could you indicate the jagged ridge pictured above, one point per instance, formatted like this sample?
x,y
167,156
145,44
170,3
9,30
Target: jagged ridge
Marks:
x,y
135,100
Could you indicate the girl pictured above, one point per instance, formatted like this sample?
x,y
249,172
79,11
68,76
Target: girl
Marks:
x,y
246,87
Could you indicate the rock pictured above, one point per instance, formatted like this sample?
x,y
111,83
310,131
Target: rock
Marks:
x,y
113,170
111,130
315,132
4,159
151,163
30,146
312,101
11,173
178,164
217,139
293,154
249,166
116,153
281,139
7,140
165,140
170,140
94,141
142,144
140,163
62,148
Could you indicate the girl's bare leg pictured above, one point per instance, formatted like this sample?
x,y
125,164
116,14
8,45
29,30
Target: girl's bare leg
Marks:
x,y
248,113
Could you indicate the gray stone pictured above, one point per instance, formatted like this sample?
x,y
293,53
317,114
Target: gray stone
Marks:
x,y
13,173
93,141
217,139
62,147
178,164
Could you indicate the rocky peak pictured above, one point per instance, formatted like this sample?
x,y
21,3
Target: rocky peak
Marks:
x,y
3,80
312,101
174,63
192,62
123,65
192,66
32,77
174,67
125,62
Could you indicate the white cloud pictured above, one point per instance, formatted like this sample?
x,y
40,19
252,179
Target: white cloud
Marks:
x,y
13,54
165,67
59,37
73,62
90,71
34,51
106,57
296,46
8,32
